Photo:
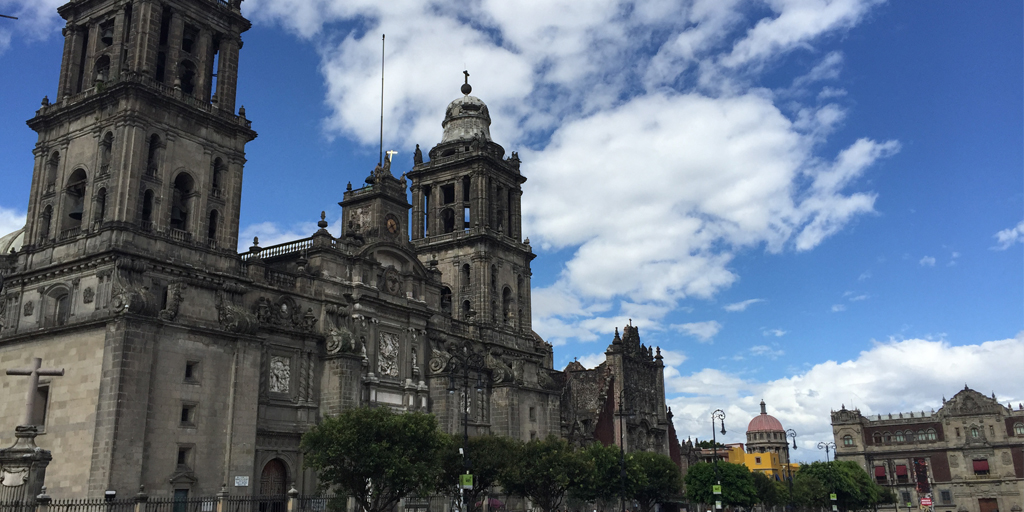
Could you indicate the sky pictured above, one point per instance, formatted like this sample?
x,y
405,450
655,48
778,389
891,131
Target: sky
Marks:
x,y
815,203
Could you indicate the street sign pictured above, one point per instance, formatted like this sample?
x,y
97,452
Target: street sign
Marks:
x,y
832,497
926,502
718,505
466,481
835,508
716,489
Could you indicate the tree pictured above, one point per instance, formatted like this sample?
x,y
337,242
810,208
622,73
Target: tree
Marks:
x,y
710,444
375,455
600,475
853,487
544,471
737,484
767,490
489,456
658,479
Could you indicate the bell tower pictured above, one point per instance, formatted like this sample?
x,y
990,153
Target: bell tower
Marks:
x,y
142,136
466,219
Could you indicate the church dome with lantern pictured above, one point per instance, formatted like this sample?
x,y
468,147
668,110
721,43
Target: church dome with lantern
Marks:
x,y
766,435
466,118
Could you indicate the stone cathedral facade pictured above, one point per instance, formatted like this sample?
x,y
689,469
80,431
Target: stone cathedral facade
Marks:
x,y
189,365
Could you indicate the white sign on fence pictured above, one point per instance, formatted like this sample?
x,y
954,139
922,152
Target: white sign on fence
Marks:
x,y
241,481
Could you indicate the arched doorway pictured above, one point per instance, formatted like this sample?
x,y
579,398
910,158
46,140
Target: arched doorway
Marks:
x,y
273,482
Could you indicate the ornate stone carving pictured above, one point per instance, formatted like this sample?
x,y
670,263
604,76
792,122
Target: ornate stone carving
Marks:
x,y
29,308
174,298
130,299
340,339
235,319
500,372
439,360
88,295
387,355
392,281
280,374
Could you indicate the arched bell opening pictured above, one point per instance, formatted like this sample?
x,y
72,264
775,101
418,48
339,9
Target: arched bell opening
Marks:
x,y
106,147
187,77
74,201
101,70
447,220
446,301
181,201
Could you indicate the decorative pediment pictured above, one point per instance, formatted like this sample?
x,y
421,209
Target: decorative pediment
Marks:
x,y
969,402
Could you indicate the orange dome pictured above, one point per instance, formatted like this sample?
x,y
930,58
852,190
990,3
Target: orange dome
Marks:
x,y
764,421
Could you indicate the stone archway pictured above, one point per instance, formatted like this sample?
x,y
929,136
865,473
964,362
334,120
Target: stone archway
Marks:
x,y
273,486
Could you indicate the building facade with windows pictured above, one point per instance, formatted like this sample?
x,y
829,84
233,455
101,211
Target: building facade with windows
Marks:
x,y
967,457
189,365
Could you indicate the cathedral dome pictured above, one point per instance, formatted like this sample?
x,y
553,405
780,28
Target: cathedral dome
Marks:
x,y
764,422
466,119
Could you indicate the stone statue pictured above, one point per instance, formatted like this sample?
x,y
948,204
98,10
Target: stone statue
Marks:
x,y
417,156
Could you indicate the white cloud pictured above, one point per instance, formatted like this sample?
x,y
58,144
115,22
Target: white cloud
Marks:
x,y
927,370
592,360
778,333
1009,236
927,261
572,86
10,220
272,233
766,351
864,275
836,308
703,331
37,20
741,306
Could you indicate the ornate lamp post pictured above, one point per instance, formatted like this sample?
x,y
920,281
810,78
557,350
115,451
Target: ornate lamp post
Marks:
x,y
452,387
720,416
789,467
622,450
829,446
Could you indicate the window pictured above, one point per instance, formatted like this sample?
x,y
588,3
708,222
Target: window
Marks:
x,y
61,309
181,201
911,436
1018,429
757,460
906,497
467,310
447,220
101,206
901,474
974,432
899,437
930,435
211,229
153,156
880,475
192,371
533,414
945,497
188,415
447,194
184,457
887,437
465,188
187,77
446,301
74,201
991,432
876,438
465,274
957,432
981,467
51,171
847,440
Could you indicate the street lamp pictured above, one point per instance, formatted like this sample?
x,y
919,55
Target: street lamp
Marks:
x,y
720,416
789,467
452,387
622,450
829,446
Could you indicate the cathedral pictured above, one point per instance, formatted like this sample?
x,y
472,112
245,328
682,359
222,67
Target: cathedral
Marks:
x,y
189,366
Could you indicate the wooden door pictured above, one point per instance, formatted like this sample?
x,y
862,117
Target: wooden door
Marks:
x,y
988,505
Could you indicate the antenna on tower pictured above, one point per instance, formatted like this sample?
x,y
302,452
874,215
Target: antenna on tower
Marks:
x,y
380,160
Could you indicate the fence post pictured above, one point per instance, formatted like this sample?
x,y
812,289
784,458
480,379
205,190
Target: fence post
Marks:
x,y
140,499
43,501
293,499
222,498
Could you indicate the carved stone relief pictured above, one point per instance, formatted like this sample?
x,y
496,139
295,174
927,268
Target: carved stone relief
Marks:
x,y
387,355
30,308
280,374
88,295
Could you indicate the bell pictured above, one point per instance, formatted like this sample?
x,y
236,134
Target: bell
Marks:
x,y
107,36
176,214
76,212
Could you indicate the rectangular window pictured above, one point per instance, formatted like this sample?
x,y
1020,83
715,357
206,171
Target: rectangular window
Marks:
x,y
958,432
757,460
188,415
191,371
946,497
533,414
906,497
981,467
447,194
901,474
880,474
184,456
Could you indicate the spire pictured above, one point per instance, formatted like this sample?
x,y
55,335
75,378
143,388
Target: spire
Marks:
x,y
763,410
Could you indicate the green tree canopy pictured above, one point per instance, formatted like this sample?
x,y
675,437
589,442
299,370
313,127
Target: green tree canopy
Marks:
x,y
658,479
767,490
600,476
489,456
852,485
544,471
737,484
375,455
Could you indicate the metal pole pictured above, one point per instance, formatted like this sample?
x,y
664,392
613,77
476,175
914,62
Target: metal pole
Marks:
x,y
719,415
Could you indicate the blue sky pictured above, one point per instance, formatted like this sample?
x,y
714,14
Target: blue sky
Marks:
x,y
817,203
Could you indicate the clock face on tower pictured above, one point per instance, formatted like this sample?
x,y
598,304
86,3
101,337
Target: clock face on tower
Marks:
x,y
392,224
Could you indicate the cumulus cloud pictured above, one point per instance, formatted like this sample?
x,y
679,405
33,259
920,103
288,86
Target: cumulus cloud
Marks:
x,y
927,261
10,220
692,159
766,351
741,306
836,308
272,233
1009,236
778,333
928,371
703,331
37,20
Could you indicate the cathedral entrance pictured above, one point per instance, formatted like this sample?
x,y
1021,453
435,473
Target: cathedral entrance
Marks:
x,y
272,486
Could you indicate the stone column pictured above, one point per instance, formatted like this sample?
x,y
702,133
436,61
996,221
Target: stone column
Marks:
x,y
90,56
515,230
117,56
24,466
74,46
417,212
478,211
227,72
177,27
204,63
67,62
145,40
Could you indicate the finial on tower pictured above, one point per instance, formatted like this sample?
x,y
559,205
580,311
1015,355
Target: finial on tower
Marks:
x,y
763,410
466,88
323,220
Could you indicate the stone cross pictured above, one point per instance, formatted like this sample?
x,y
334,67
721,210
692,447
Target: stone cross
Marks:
x,y
33,374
